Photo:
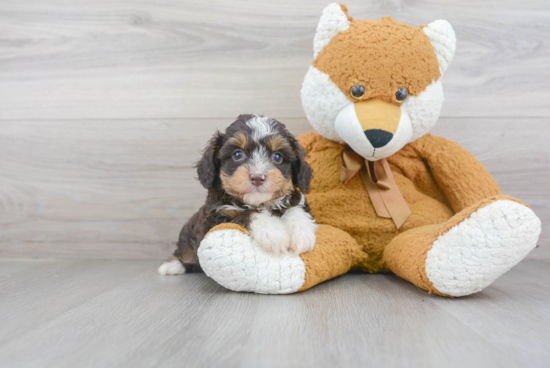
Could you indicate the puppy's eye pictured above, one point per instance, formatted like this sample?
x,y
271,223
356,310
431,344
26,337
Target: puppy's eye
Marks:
x,y
238,155
277,158
357,91
401,95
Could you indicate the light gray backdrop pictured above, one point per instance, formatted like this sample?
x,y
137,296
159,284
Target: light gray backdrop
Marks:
x,y
104,105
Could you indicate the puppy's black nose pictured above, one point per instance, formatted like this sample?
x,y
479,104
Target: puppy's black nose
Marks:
x,y
378,138
257,179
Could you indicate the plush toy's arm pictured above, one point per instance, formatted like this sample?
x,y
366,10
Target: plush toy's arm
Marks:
x,y
458,173
229,255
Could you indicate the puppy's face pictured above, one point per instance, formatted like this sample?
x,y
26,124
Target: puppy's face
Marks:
x,y
258,160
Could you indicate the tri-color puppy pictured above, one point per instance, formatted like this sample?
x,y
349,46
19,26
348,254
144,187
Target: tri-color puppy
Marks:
x,y
256,176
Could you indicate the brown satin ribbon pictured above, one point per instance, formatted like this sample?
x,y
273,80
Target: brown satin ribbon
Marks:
x,y
378,179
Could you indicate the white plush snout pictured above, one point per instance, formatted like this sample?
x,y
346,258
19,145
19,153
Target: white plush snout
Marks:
x,y
349,128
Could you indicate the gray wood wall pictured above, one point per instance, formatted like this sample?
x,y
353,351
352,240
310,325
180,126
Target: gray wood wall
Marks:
x,y
104,105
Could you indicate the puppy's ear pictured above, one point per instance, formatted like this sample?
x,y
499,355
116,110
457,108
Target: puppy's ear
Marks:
x,y
208,168
301,171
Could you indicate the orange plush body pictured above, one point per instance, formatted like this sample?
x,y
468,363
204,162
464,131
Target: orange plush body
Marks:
x,y
375,88
348,207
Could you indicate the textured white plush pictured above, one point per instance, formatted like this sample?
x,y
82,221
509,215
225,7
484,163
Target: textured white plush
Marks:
x,y
301,228
443,39
474,253
236,262
333,21
322,100
173,267
424,109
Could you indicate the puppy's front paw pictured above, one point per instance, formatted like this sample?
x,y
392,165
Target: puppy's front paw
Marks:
x,y
302,239
270,233
171,267
301,227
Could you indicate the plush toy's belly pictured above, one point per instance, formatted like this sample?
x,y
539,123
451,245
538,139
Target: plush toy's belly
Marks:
x,y
349,208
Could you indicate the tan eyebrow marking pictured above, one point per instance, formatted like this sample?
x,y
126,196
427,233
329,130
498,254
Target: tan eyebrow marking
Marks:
x,y
277,142
240,140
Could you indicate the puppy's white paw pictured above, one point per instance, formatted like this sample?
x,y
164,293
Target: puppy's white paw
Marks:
x,y
302,240
269,232
171,267
301,228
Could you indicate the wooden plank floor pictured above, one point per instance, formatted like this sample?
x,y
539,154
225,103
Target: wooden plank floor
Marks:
x,y
98,313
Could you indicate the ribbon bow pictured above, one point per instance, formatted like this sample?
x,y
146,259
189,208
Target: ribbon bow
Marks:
x,y
378,178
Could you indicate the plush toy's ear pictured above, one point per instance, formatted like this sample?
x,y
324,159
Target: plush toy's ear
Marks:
x,y
443,39
334,20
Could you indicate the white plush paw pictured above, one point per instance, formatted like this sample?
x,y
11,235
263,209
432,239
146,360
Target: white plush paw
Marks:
x,y
234,260
270,233
474,253
172,267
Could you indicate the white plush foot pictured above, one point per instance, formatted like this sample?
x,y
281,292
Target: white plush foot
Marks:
x,y
477,251
172,267
269,232
301,228
234,260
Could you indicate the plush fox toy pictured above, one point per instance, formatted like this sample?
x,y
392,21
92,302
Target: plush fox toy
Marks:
x,y
389,197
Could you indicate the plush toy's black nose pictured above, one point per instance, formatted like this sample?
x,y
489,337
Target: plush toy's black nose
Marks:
x,y
378,138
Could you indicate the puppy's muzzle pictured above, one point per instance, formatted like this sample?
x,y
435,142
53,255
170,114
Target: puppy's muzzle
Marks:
x,y
257,179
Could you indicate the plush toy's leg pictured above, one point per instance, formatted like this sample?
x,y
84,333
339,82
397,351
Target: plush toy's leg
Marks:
x,y
232,258
468,252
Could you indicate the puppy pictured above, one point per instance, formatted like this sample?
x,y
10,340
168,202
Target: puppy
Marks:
x,y
256,177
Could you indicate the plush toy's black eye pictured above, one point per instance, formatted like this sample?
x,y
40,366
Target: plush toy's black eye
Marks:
x,y
277,158
357,91
401,95
238,155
